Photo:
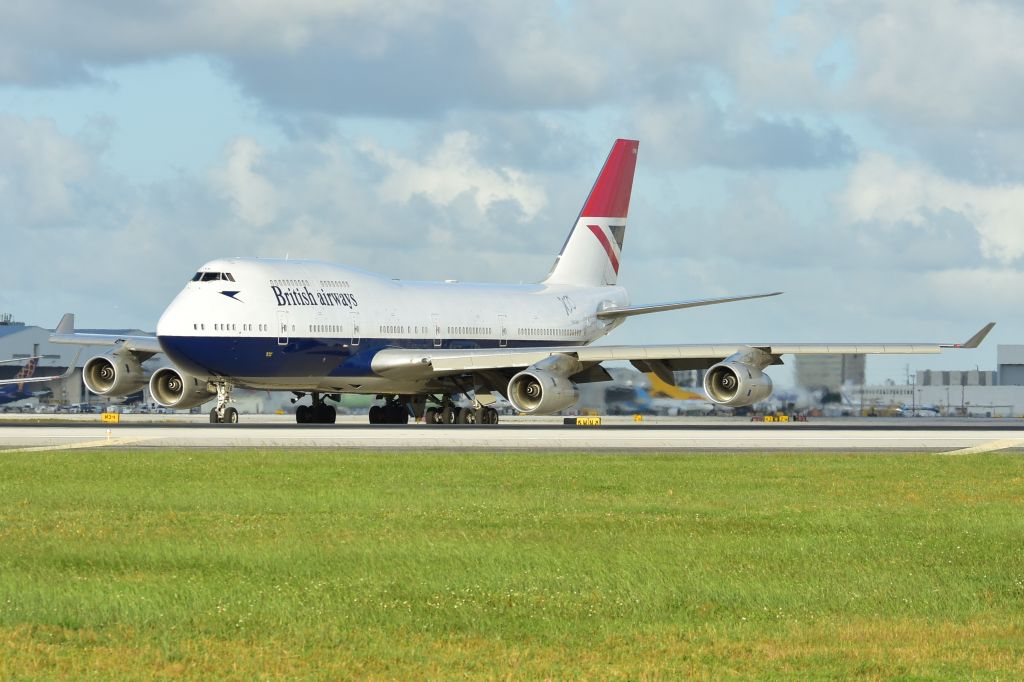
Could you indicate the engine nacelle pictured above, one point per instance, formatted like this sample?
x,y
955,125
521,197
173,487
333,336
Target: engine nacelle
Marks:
x,y
177,390
534,391
735,384
114,375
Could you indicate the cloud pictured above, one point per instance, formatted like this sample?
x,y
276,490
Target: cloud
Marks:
x,y
697,132
451,171
891,193
41,172
252,196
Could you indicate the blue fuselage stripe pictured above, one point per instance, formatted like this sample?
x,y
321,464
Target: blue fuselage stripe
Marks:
x,y
304,357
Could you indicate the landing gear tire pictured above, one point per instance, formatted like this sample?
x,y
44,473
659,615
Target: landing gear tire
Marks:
x,y
447,415
396,413
465,415
375,414
490,415
325,414
214,417
303,414
230,416
431,416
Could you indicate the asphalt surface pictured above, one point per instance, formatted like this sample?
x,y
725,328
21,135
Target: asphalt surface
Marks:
x,y
621,433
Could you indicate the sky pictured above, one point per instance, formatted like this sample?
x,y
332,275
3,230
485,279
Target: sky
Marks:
x,y
866,158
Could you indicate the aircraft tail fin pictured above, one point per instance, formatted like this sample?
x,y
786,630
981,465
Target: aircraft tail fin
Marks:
x,y
29,370
591,253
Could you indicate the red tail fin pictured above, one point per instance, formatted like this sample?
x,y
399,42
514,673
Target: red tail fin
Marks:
x,y
591,254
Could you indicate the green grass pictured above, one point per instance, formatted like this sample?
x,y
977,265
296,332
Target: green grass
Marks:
x,y
281,564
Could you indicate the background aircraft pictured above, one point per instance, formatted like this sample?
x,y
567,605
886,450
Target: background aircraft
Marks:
x,y
13,390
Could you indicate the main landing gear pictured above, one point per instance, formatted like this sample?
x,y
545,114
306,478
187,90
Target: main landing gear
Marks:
x,y
449,413
317,413
222,414
394,411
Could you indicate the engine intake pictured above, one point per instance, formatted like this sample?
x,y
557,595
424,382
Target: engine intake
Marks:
x,y
177,390
113,375
735,384
534,391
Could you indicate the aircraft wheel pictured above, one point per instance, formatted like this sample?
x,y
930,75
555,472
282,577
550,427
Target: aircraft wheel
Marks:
x,y
430,416
492,416
397,414
230,416
330,414
463,415
375,414
447,416
302,414
213,416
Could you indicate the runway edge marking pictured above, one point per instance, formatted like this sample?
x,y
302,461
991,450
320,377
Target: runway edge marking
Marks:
x,y
991,446
81,445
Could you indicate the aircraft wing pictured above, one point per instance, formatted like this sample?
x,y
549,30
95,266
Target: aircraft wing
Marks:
x,y
65,333
38,380
661,359
612,313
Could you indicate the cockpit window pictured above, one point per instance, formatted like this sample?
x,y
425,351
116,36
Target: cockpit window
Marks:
x,y
213,276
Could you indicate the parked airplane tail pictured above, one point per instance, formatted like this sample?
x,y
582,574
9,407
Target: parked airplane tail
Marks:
x,y
590,255
29,370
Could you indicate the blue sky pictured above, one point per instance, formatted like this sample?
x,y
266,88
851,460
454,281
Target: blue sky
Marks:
x,y
865,161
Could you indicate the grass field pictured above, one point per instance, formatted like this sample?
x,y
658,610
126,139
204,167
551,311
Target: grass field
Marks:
x,y
292,564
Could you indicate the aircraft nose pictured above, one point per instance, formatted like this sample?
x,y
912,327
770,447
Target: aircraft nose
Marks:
x,y
173,321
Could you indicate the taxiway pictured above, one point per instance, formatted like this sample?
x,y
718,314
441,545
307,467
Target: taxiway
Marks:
x,y
967,435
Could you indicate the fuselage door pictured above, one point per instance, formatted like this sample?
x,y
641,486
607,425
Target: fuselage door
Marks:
x,y
435,321
355,329
503,331
282,327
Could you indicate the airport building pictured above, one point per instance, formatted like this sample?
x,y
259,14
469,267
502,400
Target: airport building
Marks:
x,y
982,393
829,372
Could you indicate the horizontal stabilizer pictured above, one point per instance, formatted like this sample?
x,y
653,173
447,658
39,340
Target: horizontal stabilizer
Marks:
x,y
614,313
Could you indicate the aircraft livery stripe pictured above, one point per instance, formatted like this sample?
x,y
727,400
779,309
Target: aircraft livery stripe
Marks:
x,y
603,238
609,197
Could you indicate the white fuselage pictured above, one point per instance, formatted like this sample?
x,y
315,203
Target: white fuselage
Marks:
x,y
309,325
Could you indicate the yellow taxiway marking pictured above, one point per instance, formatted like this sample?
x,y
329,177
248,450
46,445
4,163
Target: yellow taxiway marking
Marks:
x,y
991,446
106,442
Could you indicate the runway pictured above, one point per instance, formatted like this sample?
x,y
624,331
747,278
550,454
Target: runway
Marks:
x,y
697,434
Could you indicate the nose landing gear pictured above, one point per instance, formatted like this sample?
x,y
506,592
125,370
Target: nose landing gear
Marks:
x,y
222,414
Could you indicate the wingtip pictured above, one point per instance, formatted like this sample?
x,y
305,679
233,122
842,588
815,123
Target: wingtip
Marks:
x,y
975,340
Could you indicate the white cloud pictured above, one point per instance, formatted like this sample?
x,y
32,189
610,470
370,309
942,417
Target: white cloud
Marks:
x,y
40,169
452,170
252,196
889,192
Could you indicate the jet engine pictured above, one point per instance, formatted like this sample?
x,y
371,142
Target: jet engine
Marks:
x,y
177,390
534,391
736,384
114,375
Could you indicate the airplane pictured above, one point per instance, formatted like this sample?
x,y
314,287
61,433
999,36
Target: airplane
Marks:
x,y
13,390
321,329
